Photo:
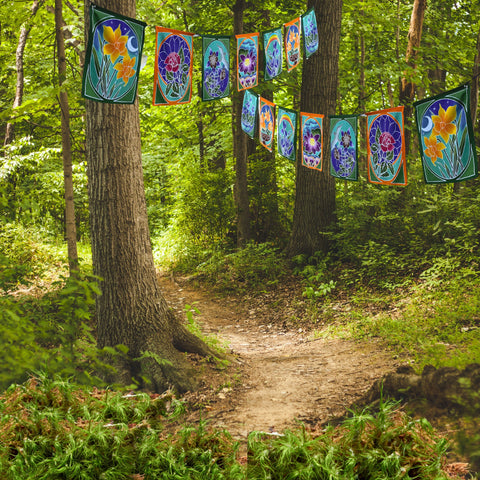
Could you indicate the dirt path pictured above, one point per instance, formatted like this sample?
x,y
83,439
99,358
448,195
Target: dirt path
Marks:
x,y
284,376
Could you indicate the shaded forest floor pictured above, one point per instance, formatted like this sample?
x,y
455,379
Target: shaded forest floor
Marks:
x,y
279,374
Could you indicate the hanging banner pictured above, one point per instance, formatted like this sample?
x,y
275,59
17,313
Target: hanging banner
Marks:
x,y
446,137
287,133
386,147
312,140
113,57
292,43
249,113
247,60
272,46
309,32
215,67
266,115
343,147
173,67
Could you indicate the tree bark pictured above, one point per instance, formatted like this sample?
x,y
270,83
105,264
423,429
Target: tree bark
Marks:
x,y
70,226
22,41
131,310
474,90
315,191
407,86
240,189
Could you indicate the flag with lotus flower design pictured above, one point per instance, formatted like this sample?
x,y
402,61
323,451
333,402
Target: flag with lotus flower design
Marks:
x,y
272,46
249,113
312,139
309,32
266,118
247,60
215,67
113,59
173,67
446,138
343,147
386,147
287,133
292,43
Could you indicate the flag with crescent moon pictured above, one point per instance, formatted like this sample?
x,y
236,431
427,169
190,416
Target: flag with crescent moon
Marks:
x,y
113,58
446,137
173,67
343,147
386,147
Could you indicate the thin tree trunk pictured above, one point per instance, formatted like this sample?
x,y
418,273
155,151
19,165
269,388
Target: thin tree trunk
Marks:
x,y
70,226
131,310
407,86
315,191
240,189
22,41
475,81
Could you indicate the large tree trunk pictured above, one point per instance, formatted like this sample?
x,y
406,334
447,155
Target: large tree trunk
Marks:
x,y
70,226
22,41
131,310
315,191
240,188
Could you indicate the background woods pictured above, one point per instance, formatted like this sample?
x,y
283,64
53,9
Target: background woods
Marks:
x,y
204,186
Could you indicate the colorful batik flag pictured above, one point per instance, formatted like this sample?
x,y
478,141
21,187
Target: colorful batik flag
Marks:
x,y
292,43
272,46
287,133
446,138
386,147
266,115
173,67
312,139
215,67
309,32
113,58
247,60
249,113
343,147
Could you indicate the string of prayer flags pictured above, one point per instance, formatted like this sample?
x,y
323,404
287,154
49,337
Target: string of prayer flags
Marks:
x,y
266,114
446,138
215,67
173,67
312,139
343,147
113,57
272,46
287,133
309,32
386,147
247,60
292,43
249,113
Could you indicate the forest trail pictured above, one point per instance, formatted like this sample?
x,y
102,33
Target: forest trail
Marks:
x,y
283,375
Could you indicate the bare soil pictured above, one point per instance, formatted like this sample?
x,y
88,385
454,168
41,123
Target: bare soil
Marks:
x,y
279,374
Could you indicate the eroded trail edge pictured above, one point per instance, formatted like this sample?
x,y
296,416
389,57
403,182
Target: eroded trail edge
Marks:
x,y
283,375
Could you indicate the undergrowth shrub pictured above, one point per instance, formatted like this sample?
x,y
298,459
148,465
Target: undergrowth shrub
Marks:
x,y
53,332
386,445
24,255
254,266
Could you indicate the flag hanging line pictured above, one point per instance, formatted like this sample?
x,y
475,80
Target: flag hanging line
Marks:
x,y
115,58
